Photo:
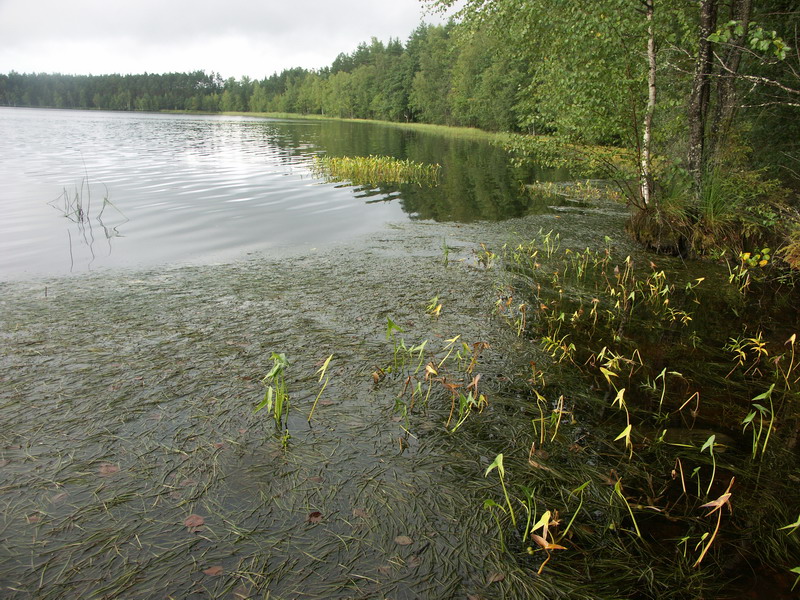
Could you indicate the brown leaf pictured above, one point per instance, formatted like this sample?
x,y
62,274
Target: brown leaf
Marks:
x,y
214,571
4,462
413,561
495,578
326,402
316,479
315,517
34,518
385,569
360,512
538,465
219,445
59,497
241,593
107,469
545,544
194,523
403,540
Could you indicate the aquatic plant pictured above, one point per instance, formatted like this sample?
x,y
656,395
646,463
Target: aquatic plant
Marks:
x,y
497,463
763,413
375,170
631,330
276,398
716,507
434,307
323,373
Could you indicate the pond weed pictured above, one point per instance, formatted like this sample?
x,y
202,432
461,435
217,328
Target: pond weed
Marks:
x,y
633,331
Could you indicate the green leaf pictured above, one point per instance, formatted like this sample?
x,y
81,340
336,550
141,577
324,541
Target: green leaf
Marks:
x,y
766,394
496,464
493,504
267,401
791,526
709,443
391,327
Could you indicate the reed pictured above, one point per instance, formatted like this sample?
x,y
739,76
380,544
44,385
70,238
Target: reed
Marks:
x,y
375,170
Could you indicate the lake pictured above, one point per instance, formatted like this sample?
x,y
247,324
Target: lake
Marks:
x,y
488,397
174,189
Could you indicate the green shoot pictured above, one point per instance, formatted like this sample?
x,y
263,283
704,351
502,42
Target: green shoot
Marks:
x,y
323,373
498,464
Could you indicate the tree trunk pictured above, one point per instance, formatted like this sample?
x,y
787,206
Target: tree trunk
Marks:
x,y
701,91
647,136
726,88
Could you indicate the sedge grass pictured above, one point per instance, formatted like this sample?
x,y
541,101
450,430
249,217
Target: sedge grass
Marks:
x,y
375,170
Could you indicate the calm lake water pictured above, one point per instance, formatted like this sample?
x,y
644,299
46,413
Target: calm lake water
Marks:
x,y
204,189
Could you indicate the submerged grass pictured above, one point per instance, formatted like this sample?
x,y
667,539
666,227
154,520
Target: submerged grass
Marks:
x,y
132,465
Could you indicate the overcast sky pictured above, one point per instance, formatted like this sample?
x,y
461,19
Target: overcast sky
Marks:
x,y
232,37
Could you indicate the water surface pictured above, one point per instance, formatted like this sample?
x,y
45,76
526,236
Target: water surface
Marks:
x,y
204,189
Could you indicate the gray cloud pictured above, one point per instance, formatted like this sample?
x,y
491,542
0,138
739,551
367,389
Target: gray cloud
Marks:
x,y
234,37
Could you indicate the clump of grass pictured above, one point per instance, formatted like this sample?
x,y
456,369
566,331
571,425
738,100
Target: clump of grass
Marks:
x,y
374,170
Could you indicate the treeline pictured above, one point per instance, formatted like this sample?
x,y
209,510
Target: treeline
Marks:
x,y
437,76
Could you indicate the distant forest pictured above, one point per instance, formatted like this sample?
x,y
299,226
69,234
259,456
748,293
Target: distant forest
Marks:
x,y
434,78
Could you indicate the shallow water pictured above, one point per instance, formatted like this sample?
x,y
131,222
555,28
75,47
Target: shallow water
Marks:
x,y
127,406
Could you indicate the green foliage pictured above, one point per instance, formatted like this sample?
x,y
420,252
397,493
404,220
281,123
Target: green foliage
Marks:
x,y
276,397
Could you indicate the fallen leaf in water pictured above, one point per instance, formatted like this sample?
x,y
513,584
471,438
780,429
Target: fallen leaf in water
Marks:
x,y
385,569
241,593
403,540
213,571
34,518
219,445
106,469
538,465
187,483
414,561
194,523
495,578
59,497
3,463
360,512
315,517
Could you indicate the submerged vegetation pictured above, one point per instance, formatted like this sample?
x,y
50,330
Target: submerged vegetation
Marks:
x,y
375,170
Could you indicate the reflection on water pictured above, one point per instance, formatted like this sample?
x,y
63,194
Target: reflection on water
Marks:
x,y
202,189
